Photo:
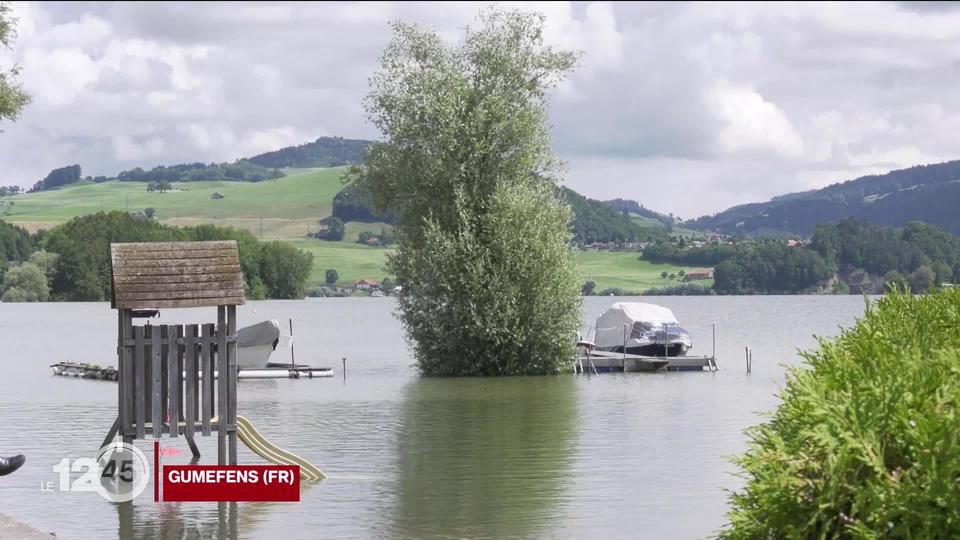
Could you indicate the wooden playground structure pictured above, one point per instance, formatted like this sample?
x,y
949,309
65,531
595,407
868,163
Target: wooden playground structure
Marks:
x,y
177,379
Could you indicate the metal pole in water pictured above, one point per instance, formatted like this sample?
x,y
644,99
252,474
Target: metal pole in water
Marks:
x,y
344,368
746,355
292,362
624,347
713,330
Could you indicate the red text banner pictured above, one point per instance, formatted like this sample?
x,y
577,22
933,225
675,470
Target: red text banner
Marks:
x,y
202,483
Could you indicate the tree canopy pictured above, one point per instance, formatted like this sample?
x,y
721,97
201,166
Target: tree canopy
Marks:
x,y
13,98
488,280
82,271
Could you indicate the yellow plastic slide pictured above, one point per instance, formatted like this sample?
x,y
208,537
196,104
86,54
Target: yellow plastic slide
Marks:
x,y
273,453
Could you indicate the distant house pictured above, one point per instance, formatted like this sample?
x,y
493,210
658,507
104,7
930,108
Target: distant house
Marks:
x,y
377,294
366,285
373,241
700,273
792,243
217,195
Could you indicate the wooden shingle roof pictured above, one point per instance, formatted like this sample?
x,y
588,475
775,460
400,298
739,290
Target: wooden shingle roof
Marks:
x,y
150,275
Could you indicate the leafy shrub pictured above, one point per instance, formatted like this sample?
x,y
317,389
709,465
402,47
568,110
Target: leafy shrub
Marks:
x,y
617,291
687,289
866,442
328,292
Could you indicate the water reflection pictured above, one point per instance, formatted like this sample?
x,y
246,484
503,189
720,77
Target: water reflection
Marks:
x,y
167,521
484,457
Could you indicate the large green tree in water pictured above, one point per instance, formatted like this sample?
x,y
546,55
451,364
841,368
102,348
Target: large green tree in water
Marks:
x,y
489,285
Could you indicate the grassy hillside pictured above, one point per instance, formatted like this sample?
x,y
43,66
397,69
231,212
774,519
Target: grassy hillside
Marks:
x,y
625,269
651,223
285,209
304,195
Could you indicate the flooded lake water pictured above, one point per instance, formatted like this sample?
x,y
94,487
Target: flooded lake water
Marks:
x,y
572,456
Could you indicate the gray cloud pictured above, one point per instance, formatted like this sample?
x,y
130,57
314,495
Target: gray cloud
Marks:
x,y
689,108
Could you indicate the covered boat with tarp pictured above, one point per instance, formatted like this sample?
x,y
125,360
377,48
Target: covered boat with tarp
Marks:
x,y
643,329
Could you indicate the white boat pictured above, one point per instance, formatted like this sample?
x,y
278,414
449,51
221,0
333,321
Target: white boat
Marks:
x,y
255,344
641,329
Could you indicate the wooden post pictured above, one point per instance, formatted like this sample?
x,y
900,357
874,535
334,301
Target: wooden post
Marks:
x,y
121,346
139,375
232,372
126,377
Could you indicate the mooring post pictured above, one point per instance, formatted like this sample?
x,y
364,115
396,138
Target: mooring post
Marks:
x,y
292,362
624,347
748,357
713,353
344,359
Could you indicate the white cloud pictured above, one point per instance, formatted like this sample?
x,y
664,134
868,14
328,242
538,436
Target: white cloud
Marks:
x,y
752,124
57,76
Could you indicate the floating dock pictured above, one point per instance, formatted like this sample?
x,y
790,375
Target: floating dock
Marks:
x,y
606,362
107,373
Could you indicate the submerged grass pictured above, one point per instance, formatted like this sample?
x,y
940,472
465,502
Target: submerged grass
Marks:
x,y
866,442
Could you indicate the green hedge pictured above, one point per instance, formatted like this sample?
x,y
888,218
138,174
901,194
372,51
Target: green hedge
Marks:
x,y
866,442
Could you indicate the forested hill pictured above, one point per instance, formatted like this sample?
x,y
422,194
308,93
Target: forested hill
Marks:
x,y
928,193
323,152
633,207
594,221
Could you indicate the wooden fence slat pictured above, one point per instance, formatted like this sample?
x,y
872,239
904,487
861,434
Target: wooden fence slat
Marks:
x,y
139,368
156,366
190,386
206,396
174,332
147,373
164,384
222,387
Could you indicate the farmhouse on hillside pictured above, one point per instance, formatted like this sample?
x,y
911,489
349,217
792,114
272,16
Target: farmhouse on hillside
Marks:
x,y
700,273
366,285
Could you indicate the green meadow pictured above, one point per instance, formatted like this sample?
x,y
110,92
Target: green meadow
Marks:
x,y
625,269
285,209
304,194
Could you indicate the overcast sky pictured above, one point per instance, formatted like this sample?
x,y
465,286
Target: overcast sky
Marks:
x,y
688,108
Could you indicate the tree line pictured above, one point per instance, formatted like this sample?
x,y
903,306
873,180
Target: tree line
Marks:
x,y
75,257
917,255
238,171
